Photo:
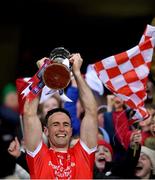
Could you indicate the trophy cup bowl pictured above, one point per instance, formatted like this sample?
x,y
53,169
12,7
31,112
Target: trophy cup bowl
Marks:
x,y
57,74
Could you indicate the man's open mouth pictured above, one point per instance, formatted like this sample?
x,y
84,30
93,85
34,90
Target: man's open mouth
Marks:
x,y
61,135
138,168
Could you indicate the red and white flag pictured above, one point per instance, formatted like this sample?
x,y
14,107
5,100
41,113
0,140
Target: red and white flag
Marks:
x,y
21,85
30,87
93,81
125,74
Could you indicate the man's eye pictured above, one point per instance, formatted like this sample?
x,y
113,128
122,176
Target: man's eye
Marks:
x,y
66,125
105,150
55,124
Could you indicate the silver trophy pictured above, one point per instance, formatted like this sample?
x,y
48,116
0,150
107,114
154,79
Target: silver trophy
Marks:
x,y
57,74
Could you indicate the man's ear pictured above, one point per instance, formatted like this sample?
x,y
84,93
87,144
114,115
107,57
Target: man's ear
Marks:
x,y
46,131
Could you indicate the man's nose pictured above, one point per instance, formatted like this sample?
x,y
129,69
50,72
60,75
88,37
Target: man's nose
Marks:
x,y
61,127
140,159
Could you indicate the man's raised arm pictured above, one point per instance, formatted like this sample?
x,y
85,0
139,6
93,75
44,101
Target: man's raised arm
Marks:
x,y
88,130
32,125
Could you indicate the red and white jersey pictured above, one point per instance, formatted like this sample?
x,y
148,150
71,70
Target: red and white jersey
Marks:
x,y
76,163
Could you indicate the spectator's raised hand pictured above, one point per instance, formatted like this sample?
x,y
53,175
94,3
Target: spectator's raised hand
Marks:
x,y
14,148
136,137
110,102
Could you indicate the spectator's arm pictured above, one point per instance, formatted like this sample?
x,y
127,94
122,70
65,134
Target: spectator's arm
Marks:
x,y
21,160
14,150
122,129
110,102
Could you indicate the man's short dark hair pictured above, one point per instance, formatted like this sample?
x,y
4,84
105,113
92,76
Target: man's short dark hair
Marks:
x,y
55,110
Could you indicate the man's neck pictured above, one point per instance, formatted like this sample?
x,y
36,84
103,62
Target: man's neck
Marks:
x,y
58,149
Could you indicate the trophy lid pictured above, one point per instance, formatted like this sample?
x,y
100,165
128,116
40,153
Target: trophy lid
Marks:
x,y
59,53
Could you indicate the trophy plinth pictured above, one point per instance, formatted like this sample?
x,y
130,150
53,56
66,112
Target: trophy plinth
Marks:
x,y
57,74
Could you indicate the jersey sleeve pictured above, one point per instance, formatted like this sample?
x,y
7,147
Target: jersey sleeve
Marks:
x,y
85,147
84,158
38,161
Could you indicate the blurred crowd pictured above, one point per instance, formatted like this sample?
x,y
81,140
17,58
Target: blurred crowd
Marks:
x,y
126,148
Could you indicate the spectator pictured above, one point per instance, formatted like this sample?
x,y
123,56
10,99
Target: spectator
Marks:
x,y
17,151
9,107
152,125
150,143
7,134
9,97
150,90
100,115
145,168
116,125
107,168
102,134
51,103
103,154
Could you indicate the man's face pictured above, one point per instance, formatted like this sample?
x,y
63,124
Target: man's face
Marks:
x,y
149,89
102,156
145,125
152,127
143,167
118,103
11,100
59,130
100,119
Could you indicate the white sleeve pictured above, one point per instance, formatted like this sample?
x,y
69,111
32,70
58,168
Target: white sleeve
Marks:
x,y
35,152
86,148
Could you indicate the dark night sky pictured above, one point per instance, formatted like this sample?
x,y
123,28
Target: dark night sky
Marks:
x,y
44,25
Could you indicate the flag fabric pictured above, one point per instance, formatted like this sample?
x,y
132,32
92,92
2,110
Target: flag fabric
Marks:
x,y
21,84
148,33
125,74
30,87
47,93
93,81
24,90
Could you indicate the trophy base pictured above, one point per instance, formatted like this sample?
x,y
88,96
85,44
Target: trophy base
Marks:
x,y
56,76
